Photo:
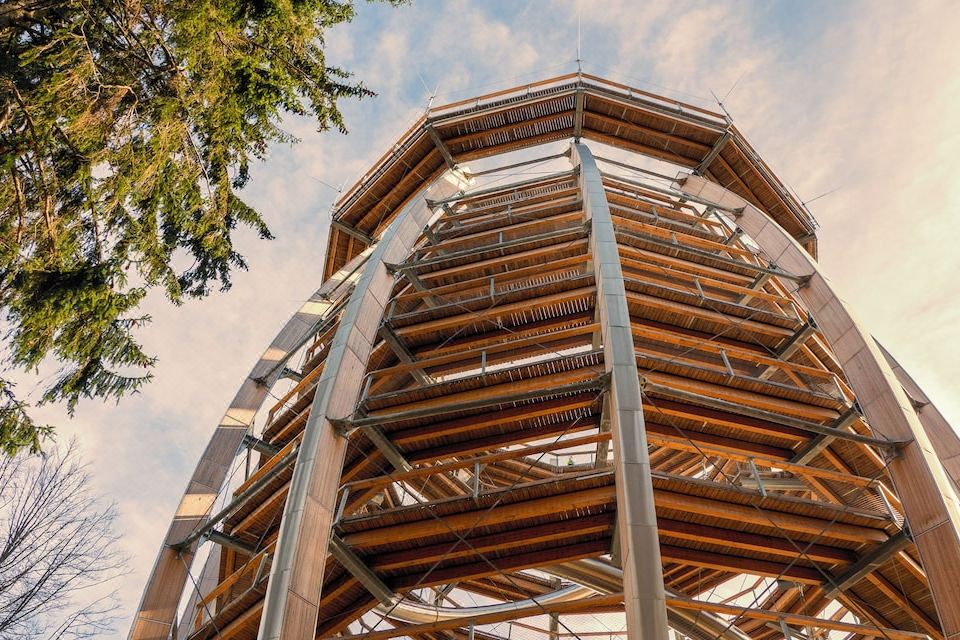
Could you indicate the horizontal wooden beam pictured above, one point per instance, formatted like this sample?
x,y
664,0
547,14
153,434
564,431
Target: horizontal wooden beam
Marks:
x,y
595,383
559,235
462,522
740,564
490,566
502,189
752,542
500,544
529,510
414,438
513,454
824,528
661,390
731,453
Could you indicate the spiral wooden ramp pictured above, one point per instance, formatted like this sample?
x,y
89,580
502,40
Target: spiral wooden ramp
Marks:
x,y
567,396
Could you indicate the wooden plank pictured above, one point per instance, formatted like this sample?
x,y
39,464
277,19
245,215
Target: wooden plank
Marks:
x,y
471,520
766,517
730,453
500,544
929,625
382,481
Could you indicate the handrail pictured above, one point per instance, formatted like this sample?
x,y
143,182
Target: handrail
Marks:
x,y
300,386
254,562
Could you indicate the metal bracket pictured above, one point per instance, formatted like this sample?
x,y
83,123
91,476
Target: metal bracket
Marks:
x,y
250,441
291,374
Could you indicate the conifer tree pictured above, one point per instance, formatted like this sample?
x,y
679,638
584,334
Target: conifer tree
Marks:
x,y
127,129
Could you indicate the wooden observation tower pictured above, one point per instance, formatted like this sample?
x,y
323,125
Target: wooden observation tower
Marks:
x,y
573,372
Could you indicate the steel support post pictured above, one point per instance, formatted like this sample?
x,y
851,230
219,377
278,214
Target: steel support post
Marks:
x,y
644,596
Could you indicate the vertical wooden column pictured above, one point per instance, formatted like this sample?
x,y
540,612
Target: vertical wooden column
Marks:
x,y
946,442
643,592
157,610
291,603
928,497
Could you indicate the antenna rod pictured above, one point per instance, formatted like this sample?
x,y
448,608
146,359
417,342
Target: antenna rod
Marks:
x,y
822,195
579,66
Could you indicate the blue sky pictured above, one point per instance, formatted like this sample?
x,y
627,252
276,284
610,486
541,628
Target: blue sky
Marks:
x,y
859,97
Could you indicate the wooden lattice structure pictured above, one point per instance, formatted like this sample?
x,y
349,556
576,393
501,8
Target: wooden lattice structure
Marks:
x,y
565,396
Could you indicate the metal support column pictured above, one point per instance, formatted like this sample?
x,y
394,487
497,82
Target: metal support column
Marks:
x,y
644,596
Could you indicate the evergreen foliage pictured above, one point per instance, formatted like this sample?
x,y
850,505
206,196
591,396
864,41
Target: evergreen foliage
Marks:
x,y
127,128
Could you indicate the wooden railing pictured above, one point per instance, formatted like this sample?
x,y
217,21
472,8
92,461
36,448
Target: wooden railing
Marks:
x,y
207,607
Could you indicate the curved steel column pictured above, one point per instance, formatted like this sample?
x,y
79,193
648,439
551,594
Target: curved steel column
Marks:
x,y
157,610
293,593
607,579
591,576
928,497
643,592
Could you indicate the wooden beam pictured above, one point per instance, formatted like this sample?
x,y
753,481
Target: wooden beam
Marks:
x,y
359,570
292,601
902,600
500,544
685,444
462,522
504,564
752,542
944,437
660,390
813,448
512,454
729,562
156,612
578,101
578,381
714,152
767,517
403,354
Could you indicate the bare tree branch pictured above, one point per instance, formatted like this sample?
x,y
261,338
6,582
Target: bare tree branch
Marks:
x,y
58,550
